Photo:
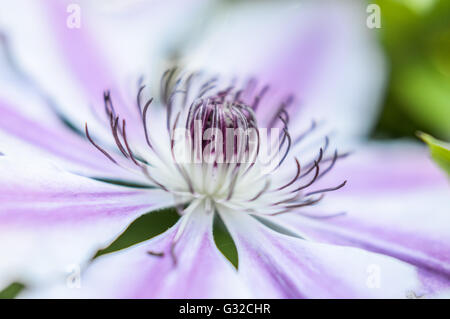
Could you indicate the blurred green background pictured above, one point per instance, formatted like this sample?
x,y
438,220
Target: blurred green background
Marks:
x,y
416,37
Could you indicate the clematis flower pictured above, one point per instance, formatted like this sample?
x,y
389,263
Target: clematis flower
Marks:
x,y
307,219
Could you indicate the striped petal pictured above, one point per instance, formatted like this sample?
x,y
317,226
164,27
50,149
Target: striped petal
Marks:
x,y
195,269
396,203
279,266
50,219
76,50
320,51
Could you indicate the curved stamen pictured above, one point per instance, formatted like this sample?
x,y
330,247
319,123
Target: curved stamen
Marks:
x,y
281,108
258,97
144,122
295,178
147,174
316,165
262,191
109,108
233,182
156,254
126,144
303,204
311,167
138,98
114,125
223,109
306,203
287,148
165,84
333,162
325,190
98,147
304,134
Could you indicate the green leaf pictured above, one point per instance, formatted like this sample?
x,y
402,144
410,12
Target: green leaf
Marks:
x,y
145,227
440,151
12,290
224,241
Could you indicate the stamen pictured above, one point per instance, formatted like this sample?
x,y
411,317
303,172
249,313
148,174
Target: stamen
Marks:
x,y
259,97
187,215
156,254
262,191
237,96
208,85
144,122
98,147
116,137
304,134
333,161
307,203
285,128
281,108
311,167
220,107
126,144
147,174
303,204
172,254
233,182
205,90
295,178
165,84
109,107
327,189
180,169
138,98
316,165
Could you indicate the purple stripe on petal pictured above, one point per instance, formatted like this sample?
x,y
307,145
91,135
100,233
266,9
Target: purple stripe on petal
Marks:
x,y
50,219
81,51
92,67
22,136
417,249
318,51
279,266
386,168
395,203
47,138
200,271
52,140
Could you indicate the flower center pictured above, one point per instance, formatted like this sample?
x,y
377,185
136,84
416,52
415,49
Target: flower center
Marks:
x,y
212,151
221,131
